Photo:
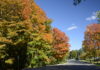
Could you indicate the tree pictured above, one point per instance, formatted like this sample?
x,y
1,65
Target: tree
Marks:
x,y
76,2
26,36
92,40
14,34
60,44
98,16
24,31
73,54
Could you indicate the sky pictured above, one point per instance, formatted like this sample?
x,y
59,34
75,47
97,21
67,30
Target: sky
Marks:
x,y
71,19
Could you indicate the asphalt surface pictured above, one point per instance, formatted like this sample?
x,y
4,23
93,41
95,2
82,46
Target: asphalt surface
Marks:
x,y
70,65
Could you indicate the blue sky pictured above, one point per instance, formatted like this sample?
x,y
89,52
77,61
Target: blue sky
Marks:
x,y
71,19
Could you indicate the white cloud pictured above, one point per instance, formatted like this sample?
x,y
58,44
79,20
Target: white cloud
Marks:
x,y
72,28
73,24
92,17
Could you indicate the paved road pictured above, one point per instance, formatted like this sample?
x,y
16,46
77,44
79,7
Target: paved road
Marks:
x,y
70,65
76,62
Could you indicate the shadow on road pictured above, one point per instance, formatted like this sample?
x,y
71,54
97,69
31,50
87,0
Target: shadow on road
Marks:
x,y
68,67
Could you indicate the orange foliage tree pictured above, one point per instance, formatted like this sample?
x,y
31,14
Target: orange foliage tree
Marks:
x,y
26,38
91,44
60,44
25,35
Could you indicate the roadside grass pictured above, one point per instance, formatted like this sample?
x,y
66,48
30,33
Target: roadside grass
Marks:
x,y
97,63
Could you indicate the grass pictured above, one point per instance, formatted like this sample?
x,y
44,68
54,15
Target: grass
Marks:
x,y
97,64
93,62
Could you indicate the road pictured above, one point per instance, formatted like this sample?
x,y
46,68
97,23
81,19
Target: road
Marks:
x,y
76,62
70,65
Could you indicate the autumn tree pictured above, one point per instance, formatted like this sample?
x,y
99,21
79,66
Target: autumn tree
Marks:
x,y
60,44
91,44
25,35
13,33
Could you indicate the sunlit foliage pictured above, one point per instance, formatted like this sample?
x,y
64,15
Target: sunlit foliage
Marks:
x,y
26,36
60,44
91,44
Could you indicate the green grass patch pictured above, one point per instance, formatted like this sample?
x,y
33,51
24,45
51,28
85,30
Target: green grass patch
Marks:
x,y
97,64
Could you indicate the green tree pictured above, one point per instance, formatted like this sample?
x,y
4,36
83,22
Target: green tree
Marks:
x,y
73,54
98,16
